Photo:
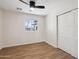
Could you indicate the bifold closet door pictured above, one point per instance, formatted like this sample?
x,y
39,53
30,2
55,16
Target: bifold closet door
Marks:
x,y
67,32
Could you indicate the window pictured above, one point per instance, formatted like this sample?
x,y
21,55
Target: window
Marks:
x,y
31,25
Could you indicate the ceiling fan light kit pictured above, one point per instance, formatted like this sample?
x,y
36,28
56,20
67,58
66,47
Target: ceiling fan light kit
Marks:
x,y
31,9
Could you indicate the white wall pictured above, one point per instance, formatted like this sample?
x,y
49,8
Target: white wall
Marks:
x,y
56,9
13,25
0,28
14,32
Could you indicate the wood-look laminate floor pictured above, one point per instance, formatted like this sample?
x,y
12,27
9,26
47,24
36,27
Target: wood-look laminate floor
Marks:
x,y
34,51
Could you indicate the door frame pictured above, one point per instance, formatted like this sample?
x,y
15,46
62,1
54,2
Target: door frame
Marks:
x,y
58,21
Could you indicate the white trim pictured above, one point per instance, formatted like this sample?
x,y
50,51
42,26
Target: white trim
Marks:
x,y
6,46
0,48
51,44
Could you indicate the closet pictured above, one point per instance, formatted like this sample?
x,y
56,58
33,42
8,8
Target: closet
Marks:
x,y
68,32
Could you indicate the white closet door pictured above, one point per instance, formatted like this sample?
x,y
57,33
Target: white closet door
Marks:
x,y
67,32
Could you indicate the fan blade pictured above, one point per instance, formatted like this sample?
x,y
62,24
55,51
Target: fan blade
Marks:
x,y
41,7
23,2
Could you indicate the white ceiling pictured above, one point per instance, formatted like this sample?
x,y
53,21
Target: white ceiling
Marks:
x,y
14,4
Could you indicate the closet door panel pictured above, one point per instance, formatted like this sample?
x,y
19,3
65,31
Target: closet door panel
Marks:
x,y
75,41
67,33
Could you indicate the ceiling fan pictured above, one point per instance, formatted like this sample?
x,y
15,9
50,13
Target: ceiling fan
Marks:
x,y
32,4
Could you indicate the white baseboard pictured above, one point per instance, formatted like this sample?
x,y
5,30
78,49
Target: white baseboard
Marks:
x,y
51,44
0,48
6,46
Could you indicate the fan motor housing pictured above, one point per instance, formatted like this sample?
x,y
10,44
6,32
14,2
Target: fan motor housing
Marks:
x,y
32,4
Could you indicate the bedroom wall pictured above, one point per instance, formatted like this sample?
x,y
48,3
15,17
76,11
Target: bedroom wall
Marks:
x,y
0,28
14,32
57,8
